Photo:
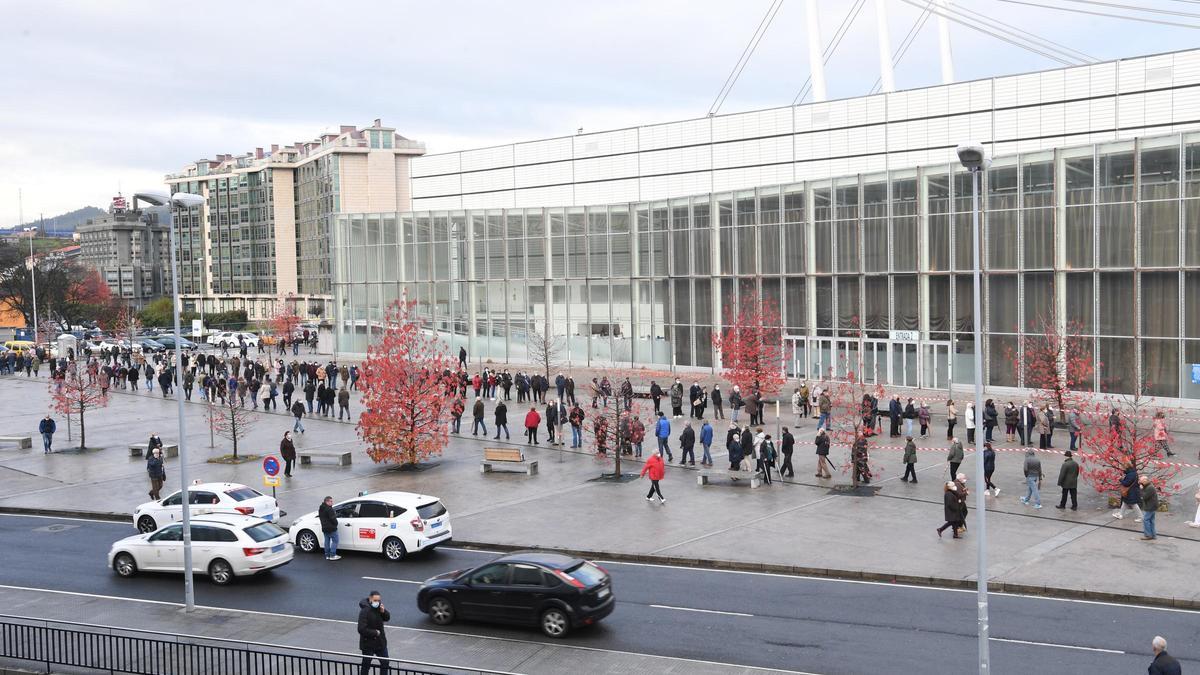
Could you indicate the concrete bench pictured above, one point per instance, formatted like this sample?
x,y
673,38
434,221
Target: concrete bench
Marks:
x,y
498,457
21,441
342,458
703,476
139,450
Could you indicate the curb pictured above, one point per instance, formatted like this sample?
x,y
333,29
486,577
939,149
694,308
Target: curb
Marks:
x,y
742,566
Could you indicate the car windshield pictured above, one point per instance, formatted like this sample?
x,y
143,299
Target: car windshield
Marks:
x,y
242,494
587,574
264,531
431,510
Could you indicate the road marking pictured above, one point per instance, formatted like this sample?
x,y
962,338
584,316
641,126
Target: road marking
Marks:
x,y
540,643
1052,644
705,611
86,520
395,581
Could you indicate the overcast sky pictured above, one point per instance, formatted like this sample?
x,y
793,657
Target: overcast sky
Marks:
x,y
101,94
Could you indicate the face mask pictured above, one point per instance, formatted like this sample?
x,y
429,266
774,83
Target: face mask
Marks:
x,y
375,604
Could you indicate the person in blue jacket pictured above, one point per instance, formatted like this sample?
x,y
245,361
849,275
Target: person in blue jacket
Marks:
x,y
46,428
706,438
662,431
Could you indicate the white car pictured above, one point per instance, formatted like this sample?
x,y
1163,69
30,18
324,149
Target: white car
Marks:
x,y
392,523
206,498
230,339
224,546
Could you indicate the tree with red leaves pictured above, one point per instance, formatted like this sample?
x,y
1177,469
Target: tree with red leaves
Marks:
x,y
852,421
1113,443
610,426
1058,364
751,347
284,318
73,393
231,421
405,404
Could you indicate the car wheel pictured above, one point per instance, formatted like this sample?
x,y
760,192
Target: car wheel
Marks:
x,y
124,565
146,525
393,549
555,623
441,611
220,572
307,541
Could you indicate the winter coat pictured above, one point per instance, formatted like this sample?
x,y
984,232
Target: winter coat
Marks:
x,y
343,397
989,461
989,416
824,404
1149,498
788,445
287,449
733,445
477,410
298,409
154,442
970,417
687,439
501,414
956,453
894,410
154,467
706,434
637,432
1033,466
715,396
910,412
662,428
735,401
822,444
328,518
1011,416
47,426
1133,492
371,634
532,419
1068,475
910,453
951,506
1160,429
655,467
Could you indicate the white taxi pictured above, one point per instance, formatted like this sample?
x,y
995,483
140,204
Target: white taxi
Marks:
x,y
392,523
206,498
224,546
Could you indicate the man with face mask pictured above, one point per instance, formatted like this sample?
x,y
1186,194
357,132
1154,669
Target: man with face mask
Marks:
x,y
372,638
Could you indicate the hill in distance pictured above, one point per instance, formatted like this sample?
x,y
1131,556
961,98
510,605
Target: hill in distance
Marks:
x,y
61,225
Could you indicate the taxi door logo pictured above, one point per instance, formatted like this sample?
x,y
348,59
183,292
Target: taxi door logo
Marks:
x,y
366,533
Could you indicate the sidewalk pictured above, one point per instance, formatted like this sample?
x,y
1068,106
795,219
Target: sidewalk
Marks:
x,y
801,526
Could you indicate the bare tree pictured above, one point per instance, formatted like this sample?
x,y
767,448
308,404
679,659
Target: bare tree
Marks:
x,y
545,351
231,421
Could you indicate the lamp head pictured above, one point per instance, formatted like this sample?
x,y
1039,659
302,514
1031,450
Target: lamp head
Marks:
x,y
973,156
180,199
187,200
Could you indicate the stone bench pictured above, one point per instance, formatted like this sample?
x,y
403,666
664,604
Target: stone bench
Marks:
x,y
341,457
139,450
703,476
20,441
503,457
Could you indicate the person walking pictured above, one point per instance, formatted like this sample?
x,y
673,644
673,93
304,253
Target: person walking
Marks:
x,y
822,448
656,395
287,450
787,447
1163,663
989,468
951,418
477,415
910,460
656,469
532,420
298,412
343,399
662,431
951,509
329,528
372,637
1149,507
501,419
157,473
955,456
1131,494
155,443
767,457
1161,440
824,407
1033,479
46,428
687,444
1068,480
706,439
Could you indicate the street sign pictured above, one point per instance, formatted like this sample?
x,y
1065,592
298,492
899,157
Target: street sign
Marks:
x,y
271,481
271,465
197,328
904,335
1196,373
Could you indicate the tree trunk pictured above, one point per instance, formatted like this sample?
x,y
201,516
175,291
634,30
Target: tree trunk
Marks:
x,y
82,436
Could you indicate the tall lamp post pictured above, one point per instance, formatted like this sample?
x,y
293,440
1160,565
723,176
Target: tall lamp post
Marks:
x,y
974,158
182,200
33,280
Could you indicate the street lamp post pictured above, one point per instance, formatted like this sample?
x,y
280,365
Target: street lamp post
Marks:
x,y
184,200
974,158
33,280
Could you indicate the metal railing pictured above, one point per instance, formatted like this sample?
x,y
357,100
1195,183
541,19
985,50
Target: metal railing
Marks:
x,y
120,650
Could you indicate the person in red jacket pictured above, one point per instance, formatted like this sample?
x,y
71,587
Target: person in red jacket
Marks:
x,y
532,420
657,469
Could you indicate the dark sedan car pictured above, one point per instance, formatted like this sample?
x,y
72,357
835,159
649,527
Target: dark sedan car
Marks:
x,y
554,592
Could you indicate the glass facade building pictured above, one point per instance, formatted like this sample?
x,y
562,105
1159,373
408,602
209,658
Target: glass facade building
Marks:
x,y
1105,236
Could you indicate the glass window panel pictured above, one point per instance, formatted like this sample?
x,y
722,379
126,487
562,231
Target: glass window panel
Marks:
x,y
904,193
1116,304
823,233
726,250
846,198
1115,223
1081,236
1191,233
939,243
680,253
847,246
793,204
598,256
1039,300
598,305
515,226
745,208
1038,239
682,302
1117,365
701,214
963,184
849,309
822,203
793,248
769,247
535,224
746,251
1159,226
1079,177
768,205
1114,173
1002,186
962,242
904,244
725,211
516,259
702,302
1002,303
1160,304
558,258
535,249
597,219
964,303
1191,305
1160,367
1002,240
875,245
1081,302
906,302
622,257
577,256
824,303
1037,182
1001,372
939,304
878,308
575,221
618,220
683,345
875,198
658,261
794,313
702,252
1160,169
938,189
1191,155
680,219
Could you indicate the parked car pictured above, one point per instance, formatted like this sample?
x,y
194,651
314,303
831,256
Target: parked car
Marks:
x,y
230,339
555,592
146,345
168,342
224,546
392,523
206,498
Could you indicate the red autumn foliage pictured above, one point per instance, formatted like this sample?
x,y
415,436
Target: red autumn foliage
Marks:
x,y
90,290
1107,449
405,402
1058,364
852,417
608,428
284,319
74,393
751,347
